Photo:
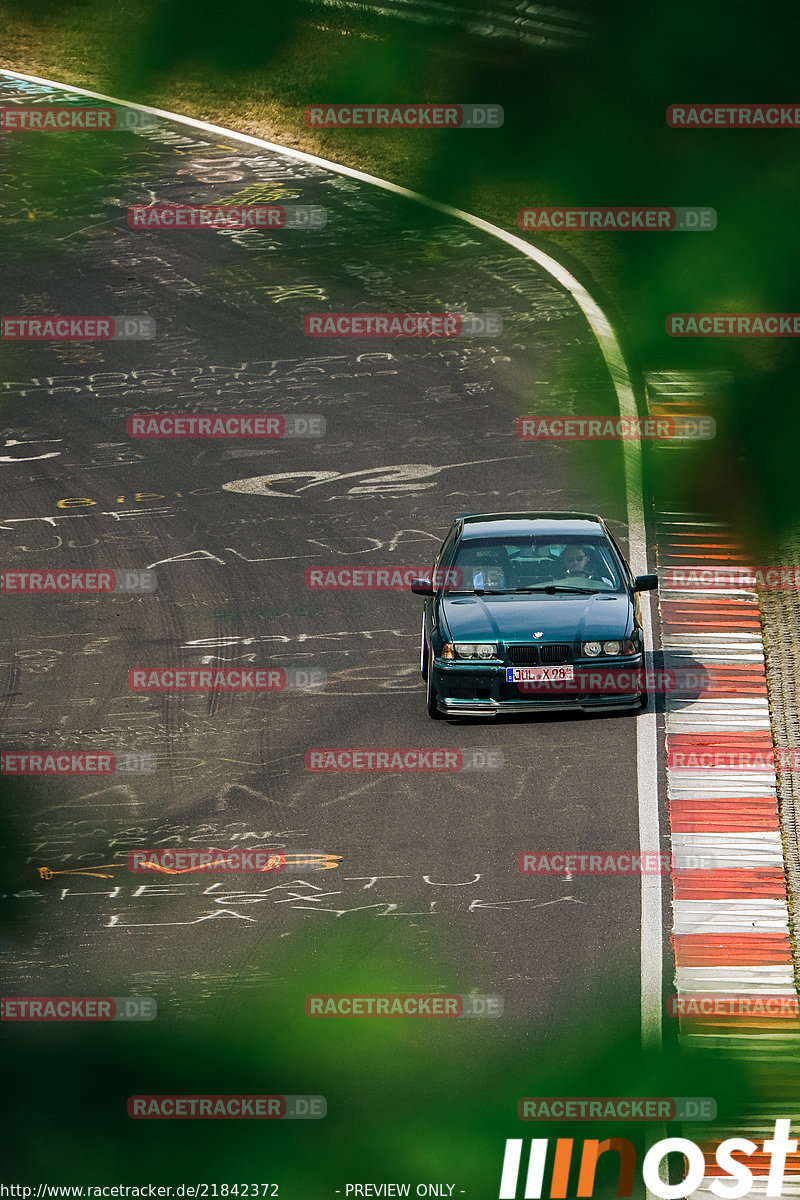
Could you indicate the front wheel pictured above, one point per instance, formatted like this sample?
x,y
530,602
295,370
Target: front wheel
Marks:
x,y
430,698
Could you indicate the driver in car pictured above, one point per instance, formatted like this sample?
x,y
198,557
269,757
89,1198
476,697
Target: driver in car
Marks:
x,y
576,562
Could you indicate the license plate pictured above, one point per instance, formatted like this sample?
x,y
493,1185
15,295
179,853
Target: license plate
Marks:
x,y
540,674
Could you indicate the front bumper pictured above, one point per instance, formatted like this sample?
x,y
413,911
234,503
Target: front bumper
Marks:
x,y
480,689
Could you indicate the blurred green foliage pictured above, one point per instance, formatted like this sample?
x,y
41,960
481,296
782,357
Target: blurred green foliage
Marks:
x,y
408,1099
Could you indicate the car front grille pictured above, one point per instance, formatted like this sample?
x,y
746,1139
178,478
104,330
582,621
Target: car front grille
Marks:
x,y
556,653
524,656
532,655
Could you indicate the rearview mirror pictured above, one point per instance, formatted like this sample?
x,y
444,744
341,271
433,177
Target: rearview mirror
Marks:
x,y
645,583
422,587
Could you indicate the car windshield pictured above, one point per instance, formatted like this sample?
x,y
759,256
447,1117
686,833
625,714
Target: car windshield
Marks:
x,y
533,564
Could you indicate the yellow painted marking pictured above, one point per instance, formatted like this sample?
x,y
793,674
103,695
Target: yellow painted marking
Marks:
x,y
323,862
46,873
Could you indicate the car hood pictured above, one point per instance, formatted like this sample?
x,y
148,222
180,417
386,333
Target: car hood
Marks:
x,y
560,618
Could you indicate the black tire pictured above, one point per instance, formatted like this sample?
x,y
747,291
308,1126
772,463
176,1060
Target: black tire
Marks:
x,y
430,699
423,653
643,701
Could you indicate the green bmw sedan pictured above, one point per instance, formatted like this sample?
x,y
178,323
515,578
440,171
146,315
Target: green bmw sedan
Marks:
x,y
528,612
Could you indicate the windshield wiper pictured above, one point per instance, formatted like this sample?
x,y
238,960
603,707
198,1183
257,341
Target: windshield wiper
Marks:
x,y
551,588
479,592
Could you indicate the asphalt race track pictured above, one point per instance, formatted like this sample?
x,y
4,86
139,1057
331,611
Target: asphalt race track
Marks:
x,y
416,430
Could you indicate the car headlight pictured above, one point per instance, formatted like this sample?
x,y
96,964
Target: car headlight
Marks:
x,y
476,649
593,649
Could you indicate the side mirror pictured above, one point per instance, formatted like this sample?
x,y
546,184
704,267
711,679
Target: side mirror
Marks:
x,y
422,587
645,583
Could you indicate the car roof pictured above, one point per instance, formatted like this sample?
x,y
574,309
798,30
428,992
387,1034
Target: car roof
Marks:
x,y
501,524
